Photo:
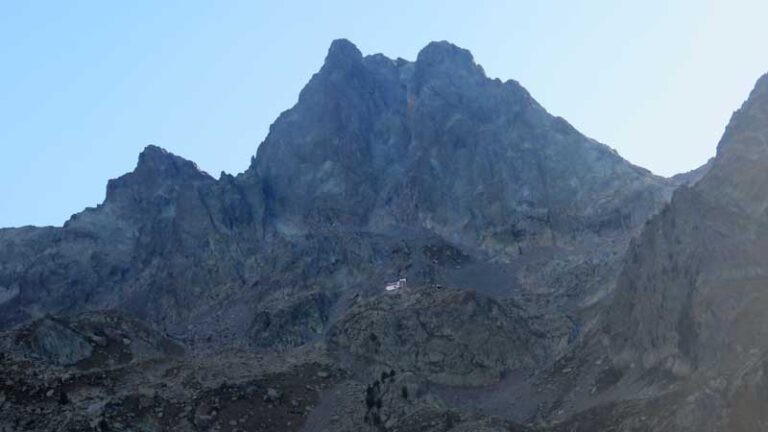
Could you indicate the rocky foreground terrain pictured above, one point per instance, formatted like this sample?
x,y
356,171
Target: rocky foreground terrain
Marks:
x,y
551,285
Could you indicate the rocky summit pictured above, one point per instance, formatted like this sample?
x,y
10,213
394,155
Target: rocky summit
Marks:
x,y
543,282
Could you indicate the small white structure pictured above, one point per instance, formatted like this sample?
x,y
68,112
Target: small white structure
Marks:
x,y
392,286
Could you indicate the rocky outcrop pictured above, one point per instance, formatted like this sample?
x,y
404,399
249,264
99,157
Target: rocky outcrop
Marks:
x,y
59,344
695,263
89,341
165,233
691,177
685,334
301,321
447,336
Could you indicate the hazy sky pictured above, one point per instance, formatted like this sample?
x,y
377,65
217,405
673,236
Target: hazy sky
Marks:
x,y
84,86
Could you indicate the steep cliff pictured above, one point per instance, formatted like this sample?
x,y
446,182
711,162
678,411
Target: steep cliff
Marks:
x,y
683,343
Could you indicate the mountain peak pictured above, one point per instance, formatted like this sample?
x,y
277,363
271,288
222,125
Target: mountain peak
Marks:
x,y
443,55
152,154
342,52
156,167
162,163
746,123
444,49
761,87
758,97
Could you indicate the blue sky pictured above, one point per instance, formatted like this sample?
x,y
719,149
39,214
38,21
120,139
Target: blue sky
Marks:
x,y
84,86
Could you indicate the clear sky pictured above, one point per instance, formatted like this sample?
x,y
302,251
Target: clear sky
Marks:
x,y
84,86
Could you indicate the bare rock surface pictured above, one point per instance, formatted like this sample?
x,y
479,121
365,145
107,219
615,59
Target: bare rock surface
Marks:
x,y
681,347
447,336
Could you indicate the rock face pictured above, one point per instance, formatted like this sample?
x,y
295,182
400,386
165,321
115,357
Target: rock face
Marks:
x,y
89,341
384,169
59,344
449,336
385,145
698,264
165,233
294,324
685,336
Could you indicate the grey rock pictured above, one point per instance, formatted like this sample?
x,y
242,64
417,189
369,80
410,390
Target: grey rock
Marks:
x,y
687,324
710,241
449,336
273,395
58,343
